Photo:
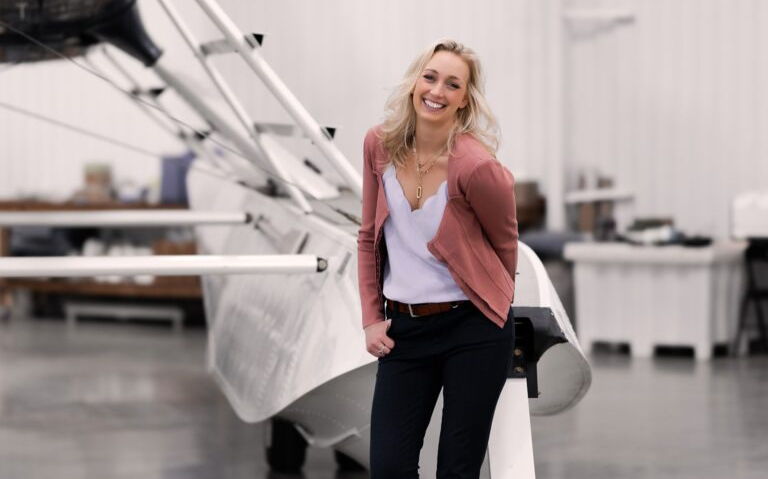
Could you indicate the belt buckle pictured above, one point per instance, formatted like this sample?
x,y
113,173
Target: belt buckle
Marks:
x,y
410,310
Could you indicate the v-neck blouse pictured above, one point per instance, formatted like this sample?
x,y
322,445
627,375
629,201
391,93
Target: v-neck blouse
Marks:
x,y
411,273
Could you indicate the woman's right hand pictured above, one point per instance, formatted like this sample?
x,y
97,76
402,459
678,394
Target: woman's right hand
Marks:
x,y
376,340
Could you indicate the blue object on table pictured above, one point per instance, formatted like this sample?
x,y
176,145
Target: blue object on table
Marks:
x,y
173,188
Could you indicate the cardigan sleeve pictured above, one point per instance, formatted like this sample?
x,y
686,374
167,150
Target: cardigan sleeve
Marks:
x,y
368,282
491,195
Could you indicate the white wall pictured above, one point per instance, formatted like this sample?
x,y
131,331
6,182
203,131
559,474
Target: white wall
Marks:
x,y
673,106
340,58
44,160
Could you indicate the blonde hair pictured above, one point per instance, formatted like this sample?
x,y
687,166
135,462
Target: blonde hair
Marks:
x,y
399,127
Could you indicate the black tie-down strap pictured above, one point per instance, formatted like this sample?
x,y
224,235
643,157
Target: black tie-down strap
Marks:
x,y
536,330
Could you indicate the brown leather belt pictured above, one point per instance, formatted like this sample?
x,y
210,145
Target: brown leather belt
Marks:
x,y
423,309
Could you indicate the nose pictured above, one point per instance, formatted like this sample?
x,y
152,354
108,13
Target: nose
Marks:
x,y
437,89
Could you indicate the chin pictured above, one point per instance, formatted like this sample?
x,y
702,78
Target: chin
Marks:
x,y
432,118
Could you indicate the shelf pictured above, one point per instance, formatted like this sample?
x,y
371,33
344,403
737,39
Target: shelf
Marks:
x,y
599,194
92,288
13,205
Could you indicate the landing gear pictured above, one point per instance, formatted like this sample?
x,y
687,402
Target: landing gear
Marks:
x,y
287,449
346,463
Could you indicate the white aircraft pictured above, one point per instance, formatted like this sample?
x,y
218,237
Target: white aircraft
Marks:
x,y
280,281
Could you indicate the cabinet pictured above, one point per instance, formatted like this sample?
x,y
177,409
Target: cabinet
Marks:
x,y
657,296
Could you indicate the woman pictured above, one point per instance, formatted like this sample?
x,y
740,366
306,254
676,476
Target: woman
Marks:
x,y
437,253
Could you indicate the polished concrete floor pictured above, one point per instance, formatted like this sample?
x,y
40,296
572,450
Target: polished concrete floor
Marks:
x,y
117,400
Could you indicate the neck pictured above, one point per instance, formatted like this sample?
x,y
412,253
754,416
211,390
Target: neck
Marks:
x,y
431,138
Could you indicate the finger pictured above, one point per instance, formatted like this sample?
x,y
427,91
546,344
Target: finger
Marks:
x,y
379,352
388,342
389,324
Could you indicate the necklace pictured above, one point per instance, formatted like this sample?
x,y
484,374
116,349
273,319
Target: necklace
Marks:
x,y
421,172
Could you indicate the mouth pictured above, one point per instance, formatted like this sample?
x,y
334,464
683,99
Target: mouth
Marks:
x,y
431,105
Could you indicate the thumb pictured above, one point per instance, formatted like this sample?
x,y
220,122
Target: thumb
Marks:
x,y
389,324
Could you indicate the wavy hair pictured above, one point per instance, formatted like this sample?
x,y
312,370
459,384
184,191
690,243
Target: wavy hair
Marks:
x,y
398,129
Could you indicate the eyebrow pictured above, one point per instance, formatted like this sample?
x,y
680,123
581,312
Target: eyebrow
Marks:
x,y
435,71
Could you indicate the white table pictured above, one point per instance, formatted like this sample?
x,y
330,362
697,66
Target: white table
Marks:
x,y
651,296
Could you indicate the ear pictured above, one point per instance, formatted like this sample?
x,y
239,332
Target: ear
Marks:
x,y
464,102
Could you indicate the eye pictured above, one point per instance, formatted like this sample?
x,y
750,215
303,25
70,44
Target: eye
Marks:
x,y
454,86
429,77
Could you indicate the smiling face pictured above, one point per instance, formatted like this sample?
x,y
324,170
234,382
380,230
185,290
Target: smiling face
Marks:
x,y
441,89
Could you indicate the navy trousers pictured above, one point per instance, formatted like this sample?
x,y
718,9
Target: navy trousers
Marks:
x,y
459,351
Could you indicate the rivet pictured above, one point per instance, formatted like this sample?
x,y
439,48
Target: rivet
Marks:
x,y
518,352
519,369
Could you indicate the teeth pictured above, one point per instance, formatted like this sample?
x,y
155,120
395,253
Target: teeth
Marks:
x,y
432,104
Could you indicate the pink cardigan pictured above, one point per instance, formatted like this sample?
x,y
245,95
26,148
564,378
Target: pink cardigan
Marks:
x,y
477,236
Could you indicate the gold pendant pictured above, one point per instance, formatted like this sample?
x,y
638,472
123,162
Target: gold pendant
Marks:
x,y
418,192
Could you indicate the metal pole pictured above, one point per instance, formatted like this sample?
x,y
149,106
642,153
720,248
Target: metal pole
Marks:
x,y
252,151
163,265
132,96
237,108
181,134
557,84
281,92
123,218
510,445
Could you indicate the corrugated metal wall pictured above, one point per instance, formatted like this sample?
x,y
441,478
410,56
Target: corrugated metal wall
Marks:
x,y
340,58
672,105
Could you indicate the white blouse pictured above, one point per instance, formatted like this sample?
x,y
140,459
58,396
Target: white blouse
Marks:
x,y
411,273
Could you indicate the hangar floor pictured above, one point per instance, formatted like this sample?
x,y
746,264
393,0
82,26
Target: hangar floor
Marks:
x,y
115,400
